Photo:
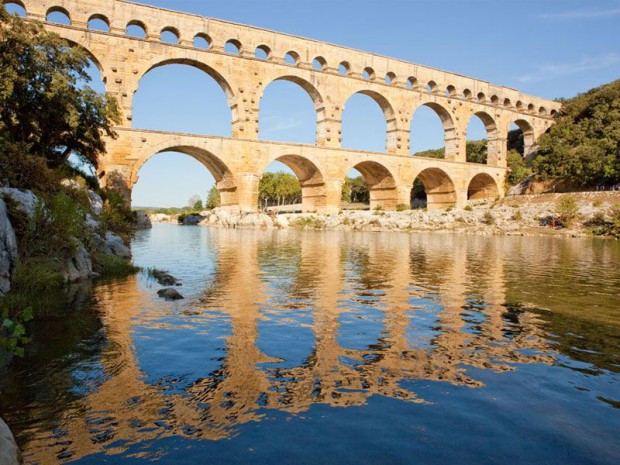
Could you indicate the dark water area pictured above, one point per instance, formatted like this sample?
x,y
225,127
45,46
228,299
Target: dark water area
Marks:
x,y
332,348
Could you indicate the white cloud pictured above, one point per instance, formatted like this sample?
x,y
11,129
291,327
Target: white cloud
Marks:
x,y
582,14
552,71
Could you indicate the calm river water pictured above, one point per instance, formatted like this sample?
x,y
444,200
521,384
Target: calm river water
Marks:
x,y
332,348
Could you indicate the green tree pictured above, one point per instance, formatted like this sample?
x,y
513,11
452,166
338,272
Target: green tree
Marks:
x,y
213,198
279,188
355,190
584,144
44,108
519,169
195,202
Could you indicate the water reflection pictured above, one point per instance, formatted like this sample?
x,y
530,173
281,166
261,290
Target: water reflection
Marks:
x,y
288,321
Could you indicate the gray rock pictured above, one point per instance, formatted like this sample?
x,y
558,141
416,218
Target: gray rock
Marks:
x,y
115,245
26,201
79,267
169,293
96,203
164,278
143,221
256,220
192,220
8,250
9,452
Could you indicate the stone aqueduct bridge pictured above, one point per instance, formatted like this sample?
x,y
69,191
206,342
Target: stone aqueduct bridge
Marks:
x,y
237,163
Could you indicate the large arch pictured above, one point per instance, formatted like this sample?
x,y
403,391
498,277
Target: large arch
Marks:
x,y
381,184
224,179
388,114
529,137
477,146
482,186
194,104
217,77
314,197
305,88
447,122
438,187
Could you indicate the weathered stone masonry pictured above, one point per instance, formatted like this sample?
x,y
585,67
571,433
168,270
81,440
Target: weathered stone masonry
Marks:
x,y
237,163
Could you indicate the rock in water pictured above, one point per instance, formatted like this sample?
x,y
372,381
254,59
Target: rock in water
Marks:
x,y
170,293
192,220
143,221
9,452
164,278
8,250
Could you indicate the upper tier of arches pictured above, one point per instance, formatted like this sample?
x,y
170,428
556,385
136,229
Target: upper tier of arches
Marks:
x,y
214,35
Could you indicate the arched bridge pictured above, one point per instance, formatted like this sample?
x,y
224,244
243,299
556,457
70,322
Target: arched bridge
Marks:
x,y
244,60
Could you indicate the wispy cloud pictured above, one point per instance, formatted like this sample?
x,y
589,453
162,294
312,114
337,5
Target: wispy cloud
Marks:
x,y
552,71
581,14
275,124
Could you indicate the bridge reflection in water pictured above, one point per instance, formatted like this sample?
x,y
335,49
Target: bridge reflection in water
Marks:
x,y
289,320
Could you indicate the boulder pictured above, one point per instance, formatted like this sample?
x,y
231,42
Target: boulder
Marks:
x,y
192,220
96,203
25,200
8,250
281,221
79,267
115,245
164,278
169,293
256,220
143,221
9,452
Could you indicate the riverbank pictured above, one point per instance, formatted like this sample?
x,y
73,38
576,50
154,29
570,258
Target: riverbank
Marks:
x,y
588,213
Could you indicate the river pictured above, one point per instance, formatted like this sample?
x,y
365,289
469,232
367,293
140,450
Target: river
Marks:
x,y
307,347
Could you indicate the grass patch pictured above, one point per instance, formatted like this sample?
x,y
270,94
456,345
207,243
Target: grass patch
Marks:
x,y
111,266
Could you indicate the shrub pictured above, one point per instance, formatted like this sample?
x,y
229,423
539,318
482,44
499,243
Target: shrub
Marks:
x,y
112,266
468,208
401,207
567,210
117,215
517,216
488,218
600,226
37,276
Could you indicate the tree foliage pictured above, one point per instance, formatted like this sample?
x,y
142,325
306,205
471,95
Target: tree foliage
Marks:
x,y
44,108
278,188
584,144
213,198
355,190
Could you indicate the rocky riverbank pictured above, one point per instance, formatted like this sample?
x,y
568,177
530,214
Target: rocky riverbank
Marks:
x,y
528,215
20,213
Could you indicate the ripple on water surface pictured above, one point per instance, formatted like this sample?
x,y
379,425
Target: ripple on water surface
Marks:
x,y
310,347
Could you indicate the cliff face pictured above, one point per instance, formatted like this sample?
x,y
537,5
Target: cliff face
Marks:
x,y
8,250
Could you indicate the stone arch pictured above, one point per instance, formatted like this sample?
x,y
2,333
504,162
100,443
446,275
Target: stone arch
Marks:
x,y
439,188
482,186
292,58
262,49
450,91
319,63
310,178
449,128
311,90
98,17
468,95
172,30
224,179
368,74
386,107
492,133
19,3
344,68
529,137
91,56
202,40
412,83
432,87
381,184
390,78
223,83
139,24
58,9
233,47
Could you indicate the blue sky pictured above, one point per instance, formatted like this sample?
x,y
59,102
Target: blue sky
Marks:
x,y
550,48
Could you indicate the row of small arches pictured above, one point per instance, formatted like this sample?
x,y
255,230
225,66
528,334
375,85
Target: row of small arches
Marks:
x,y
172,35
